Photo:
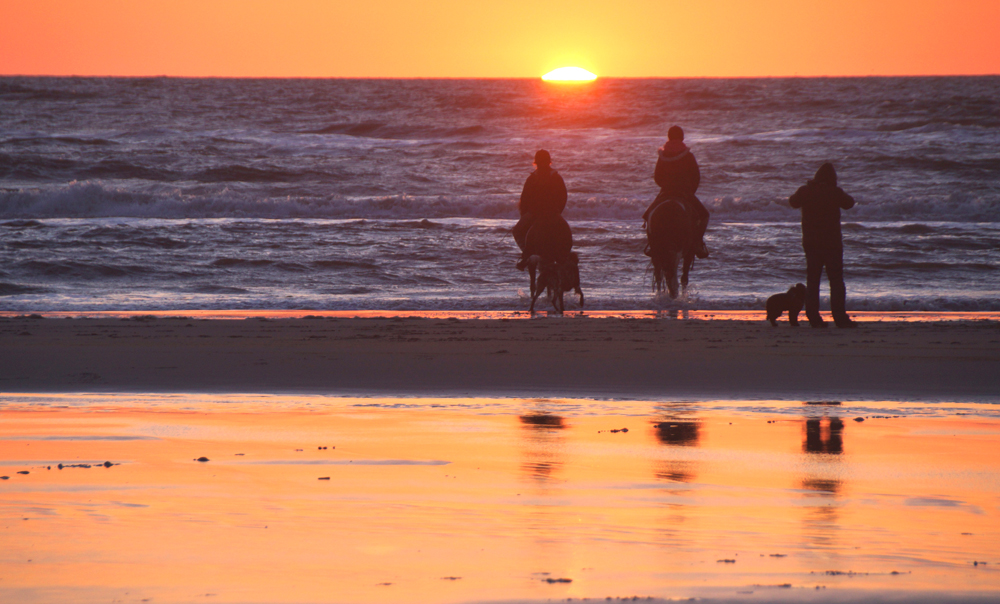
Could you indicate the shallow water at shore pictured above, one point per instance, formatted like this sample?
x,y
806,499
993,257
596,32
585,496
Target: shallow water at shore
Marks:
x,y
716,315
452,500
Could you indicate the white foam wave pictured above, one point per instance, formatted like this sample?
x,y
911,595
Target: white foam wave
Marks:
x,y
94,200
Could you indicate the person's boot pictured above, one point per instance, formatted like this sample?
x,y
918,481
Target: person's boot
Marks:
x,y
522,263
647,251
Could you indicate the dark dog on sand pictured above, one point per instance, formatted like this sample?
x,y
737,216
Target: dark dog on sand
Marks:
x,y
792,301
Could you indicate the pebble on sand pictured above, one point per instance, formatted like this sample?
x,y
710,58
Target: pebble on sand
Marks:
x,y
202,459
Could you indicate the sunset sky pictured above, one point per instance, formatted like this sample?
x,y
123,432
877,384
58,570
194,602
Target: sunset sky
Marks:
x,y
462,38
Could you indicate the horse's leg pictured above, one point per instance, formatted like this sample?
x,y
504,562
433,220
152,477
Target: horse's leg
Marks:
x,y
672,274
580,291
688,262
534,288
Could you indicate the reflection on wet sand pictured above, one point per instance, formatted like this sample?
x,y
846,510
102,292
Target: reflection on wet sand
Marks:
x,y
676,425
541,446
823,442
309,500
824,435
677,428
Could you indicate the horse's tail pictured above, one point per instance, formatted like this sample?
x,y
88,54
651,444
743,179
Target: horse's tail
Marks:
x,y
670,234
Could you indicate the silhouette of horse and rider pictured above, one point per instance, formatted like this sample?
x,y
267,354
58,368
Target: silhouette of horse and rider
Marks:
x,y
544,236
675,224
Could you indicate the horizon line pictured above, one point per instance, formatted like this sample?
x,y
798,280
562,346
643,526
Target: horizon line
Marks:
x,y
599,77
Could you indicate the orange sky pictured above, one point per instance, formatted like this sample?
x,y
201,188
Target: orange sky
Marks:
x,y
502,38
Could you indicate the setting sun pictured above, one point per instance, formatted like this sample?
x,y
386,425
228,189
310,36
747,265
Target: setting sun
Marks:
x,y
569,74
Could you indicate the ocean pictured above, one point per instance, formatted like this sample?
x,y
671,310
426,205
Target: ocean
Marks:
x,y
196,194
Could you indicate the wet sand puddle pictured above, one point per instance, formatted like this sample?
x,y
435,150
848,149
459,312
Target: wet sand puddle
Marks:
x,y
318,499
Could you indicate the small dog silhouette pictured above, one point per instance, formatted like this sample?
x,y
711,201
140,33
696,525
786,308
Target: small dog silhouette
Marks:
x,y
792,301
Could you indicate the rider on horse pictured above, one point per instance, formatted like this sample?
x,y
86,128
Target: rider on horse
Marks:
x,y
542,199
678,175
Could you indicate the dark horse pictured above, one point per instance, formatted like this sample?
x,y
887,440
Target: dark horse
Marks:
x,y
547,246
670,234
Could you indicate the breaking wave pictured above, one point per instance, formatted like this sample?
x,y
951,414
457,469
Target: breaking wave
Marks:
x,y
95,200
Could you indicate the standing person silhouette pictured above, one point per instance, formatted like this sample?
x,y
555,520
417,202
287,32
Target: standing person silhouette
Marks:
x,y
543,196
678,175
821,201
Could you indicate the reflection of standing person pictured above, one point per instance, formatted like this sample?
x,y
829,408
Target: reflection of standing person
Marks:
x,y
678,175
821,201
543,196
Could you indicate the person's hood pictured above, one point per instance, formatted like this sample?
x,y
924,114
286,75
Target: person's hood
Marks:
x,y
672,150
826,175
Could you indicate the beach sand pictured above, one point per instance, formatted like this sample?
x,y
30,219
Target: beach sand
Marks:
x,y
485,460
571,356
324,499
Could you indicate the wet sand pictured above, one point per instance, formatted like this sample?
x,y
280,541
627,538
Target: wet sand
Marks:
x,y
661,358
777,496
319,499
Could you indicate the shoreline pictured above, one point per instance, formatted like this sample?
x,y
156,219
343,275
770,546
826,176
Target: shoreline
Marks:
x,y
575,356
861,316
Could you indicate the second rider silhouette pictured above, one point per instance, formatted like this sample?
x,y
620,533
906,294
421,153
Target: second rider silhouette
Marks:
x,y
678,175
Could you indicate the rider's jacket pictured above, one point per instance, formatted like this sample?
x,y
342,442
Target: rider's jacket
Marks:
x,y
677,170
544,194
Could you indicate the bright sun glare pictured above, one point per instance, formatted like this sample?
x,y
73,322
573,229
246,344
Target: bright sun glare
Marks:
x,y
569,74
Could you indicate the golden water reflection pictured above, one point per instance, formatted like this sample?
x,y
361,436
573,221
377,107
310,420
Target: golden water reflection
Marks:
x,y
374,500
